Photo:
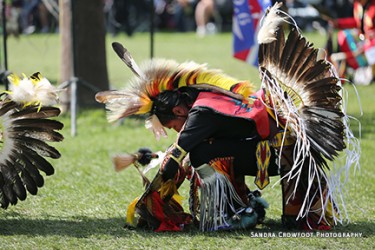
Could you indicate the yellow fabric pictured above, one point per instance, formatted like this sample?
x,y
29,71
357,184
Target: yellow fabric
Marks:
x,y
178,198
262,178
329,213
180,157
168,188
130,214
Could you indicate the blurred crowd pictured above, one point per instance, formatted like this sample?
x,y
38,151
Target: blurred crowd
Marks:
x,y
353,49
129,16
29,16
203,16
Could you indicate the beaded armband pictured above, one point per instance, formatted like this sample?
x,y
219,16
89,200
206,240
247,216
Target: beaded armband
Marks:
x,y
177,153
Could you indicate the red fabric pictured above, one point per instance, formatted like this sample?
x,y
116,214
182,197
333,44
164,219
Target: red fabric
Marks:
x,y
226,105
313,225
170,214
346,23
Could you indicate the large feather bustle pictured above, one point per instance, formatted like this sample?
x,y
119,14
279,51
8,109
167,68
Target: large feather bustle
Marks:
x,y
26,127
304,91
308,93
160,75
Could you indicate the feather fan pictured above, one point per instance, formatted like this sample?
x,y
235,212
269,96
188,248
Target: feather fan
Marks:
x,y
26,127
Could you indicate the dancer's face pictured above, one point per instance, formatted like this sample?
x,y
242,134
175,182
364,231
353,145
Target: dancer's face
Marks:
x,y
181,114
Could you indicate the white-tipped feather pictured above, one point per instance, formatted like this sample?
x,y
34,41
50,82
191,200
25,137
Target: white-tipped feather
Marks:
x,y
127,58
271,23
26,129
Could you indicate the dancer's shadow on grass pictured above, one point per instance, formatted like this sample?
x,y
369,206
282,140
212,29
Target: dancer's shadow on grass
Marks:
x,y
82,226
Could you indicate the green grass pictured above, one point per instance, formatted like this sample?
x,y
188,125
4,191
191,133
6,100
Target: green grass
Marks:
x,y
83,205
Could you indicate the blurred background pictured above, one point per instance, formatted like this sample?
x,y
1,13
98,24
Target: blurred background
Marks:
x,y
131,16
68,40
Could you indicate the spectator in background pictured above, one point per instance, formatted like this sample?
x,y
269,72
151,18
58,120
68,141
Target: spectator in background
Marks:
x,y
217,11
363,20
203,13
183,14
12,13
338,8
34,15
175,15
128,16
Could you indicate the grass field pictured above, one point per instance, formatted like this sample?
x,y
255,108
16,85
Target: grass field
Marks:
x,y
83,205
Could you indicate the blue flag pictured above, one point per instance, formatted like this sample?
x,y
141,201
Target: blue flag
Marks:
x,y
246,21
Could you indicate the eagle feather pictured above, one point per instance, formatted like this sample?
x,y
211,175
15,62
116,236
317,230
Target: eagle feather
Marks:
x,y
27,124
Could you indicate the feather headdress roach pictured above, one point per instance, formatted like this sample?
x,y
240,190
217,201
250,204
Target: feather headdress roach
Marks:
x,y
303,90
158,75
26,129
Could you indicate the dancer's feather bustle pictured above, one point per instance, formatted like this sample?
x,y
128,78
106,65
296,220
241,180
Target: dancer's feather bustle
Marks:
x,y
26,127
304,93
315,92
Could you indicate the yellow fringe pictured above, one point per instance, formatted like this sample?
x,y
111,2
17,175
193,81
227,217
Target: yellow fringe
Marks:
x,y
130,214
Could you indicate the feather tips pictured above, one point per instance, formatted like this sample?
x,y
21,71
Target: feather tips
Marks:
x,y
273,23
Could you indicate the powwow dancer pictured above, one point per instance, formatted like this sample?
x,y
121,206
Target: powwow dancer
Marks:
x,y
292,126
26,128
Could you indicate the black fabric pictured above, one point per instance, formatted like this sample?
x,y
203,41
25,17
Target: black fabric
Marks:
x,y
242,151
208,135
204,123
170,169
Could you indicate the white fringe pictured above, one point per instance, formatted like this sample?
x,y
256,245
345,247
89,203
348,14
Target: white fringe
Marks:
x,y
217,196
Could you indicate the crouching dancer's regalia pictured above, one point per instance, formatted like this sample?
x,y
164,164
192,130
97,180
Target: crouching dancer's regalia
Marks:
x,y
26,113
292,127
